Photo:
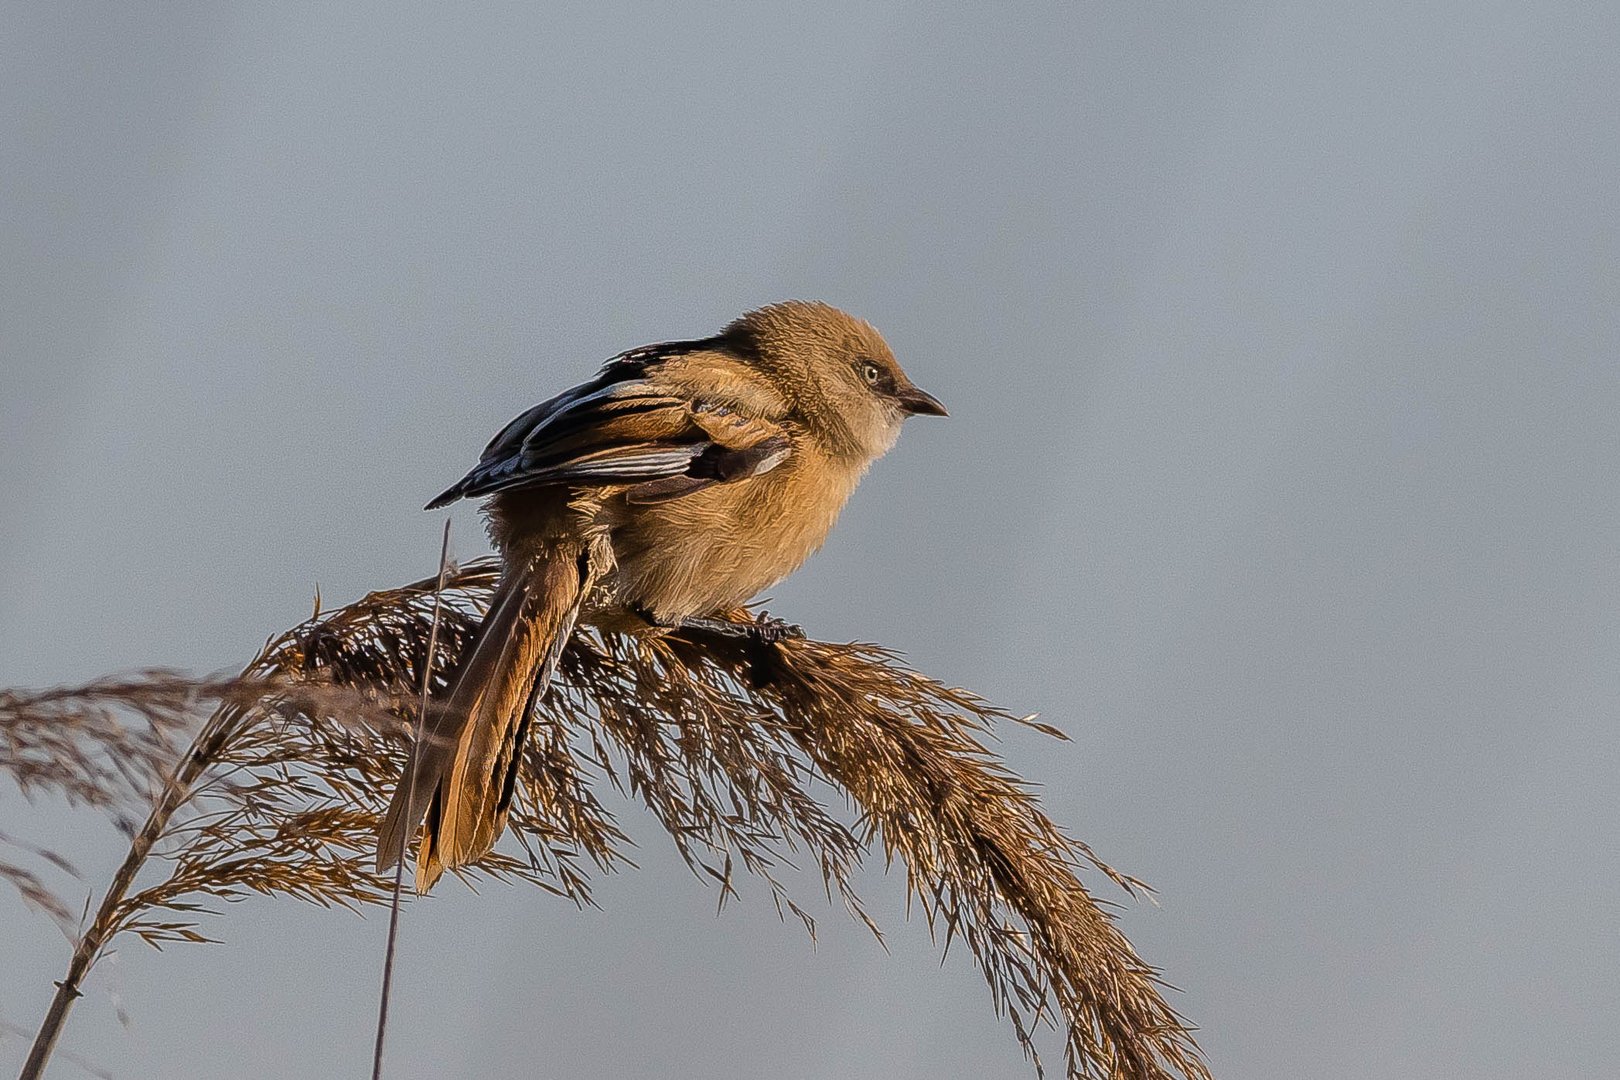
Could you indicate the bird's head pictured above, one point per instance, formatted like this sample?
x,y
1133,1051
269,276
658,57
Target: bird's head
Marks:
x,y
838,372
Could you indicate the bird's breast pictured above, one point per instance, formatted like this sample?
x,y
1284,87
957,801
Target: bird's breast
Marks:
x,y
719,547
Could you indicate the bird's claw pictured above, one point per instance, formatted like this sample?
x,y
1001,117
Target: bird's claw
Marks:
x,y
770,630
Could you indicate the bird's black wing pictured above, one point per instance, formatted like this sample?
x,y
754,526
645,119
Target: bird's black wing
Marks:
x,y
625,427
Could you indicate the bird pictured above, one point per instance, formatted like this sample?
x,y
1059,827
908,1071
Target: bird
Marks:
x,y
678,483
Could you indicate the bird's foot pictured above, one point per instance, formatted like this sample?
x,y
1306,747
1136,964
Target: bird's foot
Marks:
x,y
769,630
764,630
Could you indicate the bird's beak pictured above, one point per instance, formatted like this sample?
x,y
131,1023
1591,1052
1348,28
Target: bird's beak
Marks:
x,y
920,402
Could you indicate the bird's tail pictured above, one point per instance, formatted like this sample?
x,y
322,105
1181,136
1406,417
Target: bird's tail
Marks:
x,y
466,765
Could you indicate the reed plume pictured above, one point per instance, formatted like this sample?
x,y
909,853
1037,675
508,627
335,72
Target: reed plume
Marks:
x,y
280,789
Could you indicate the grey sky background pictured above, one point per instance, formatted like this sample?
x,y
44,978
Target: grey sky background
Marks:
x,y
1283,354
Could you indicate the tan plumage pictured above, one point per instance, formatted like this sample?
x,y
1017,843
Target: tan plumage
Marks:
x,y
678,483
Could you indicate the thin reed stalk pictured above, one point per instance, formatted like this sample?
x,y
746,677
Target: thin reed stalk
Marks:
x,y
409,779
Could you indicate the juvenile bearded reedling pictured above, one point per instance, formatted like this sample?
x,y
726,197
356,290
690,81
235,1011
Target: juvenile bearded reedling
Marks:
x,y
678,483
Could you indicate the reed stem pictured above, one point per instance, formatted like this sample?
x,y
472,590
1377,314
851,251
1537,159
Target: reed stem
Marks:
x,y
95,937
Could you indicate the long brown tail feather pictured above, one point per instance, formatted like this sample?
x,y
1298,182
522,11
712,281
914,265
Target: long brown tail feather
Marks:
x,y
465,768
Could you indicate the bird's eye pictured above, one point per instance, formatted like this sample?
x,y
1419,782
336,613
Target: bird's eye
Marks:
x,y
870,372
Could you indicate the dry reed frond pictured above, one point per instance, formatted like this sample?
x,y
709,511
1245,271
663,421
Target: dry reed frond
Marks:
x,y
107,745
31,886
722,741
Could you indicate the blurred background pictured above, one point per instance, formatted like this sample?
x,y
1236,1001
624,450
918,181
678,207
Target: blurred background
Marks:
x,y
1283,354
